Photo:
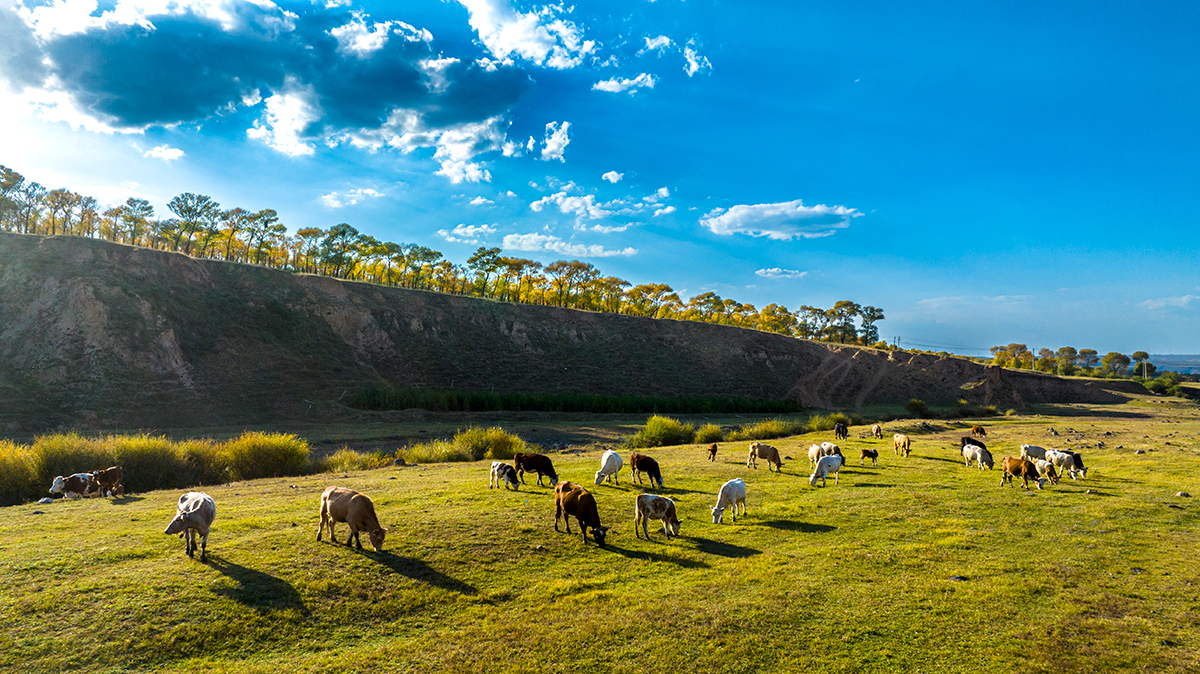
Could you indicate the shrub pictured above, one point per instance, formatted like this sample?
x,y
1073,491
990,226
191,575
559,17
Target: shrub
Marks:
x,y
436,451
255,455
709,433
18,473
661,431
770,428
346,459
204,461
149,462
66,454
917,408
1010,412
489,443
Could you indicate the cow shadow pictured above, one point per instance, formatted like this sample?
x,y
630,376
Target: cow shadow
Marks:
x,y
416,569
802,527
126,500
872,484
722,549
256,589
648,556
673,491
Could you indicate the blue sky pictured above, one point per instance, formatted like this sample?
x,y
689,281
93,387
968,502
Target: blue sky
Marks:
x,y
985,172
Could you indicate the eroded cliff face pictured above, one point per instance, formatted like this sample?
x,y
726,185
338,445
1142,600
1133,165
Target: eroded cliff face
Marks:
x,y
96,334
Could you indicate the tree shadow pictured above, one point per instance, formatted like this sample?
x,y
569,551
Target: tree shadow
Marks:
x,y
256,589
711,547
674,491
126,500
802,527
416,569
1062,411
648,556
872,484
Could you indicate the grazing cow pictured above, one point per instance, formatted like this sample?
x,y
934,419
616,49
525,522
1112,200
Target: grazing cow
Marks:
x,y
653,507
712,452
871,454
640,463
1069,463
760,450
73,487
339,504
1014,467
535,463
978,432
827,464
877,432
979,455
108,480
830,449
502,473
902,444
840,431
195,515
1031,452
1046,468
610,466
570,500
815,452
967,440
731,495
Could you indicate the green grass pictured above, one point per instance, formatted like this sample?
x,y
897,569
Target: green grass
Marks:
x,y
847,578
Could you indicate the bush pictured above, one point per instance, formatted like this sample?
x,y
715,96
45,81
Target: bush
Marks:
x,y
659,432
18,473
436,451
490,443
67,454
1010,412
204,461
917,408
770,428
255,455
346,459
148,462
709,433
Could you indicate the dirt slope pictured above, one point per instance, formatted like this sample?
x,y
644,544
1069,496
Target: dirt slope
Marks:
x,y
100,335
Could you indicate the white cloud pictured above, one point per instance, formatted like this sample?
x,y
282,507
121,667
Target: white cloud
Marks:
x,y
550,243
617,86
1181,302
361,40
779,272
695,62
541,37
556,141
579,205
164,152
782,221
613,177
659,44
435,73
481,201
340,199
456,146
664,211
471,234
287,117
68,17
510,193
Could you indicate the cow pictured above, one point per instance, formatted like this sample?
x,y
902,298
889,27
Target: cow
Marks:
x,y
195,515
712,452
73,487
653,507
610,467
871,454
840,431
108,480
978,432
827,464
572,500
1014,467
504,474
731,495
830,449
968,440
877,432
339,504
640,463
535,463
1046,468
1070,463
978,454
902,444
759,450
1031,452
815,452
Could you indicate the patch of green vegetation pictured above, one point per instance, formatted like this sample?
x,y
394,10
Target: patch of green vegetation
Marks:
x,y
661,431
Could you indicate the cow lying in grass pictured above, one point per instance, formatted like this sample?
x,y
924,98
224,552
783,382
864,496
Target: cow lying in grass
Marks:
x,y
195,515
653,507
572,500
1022,468
339,504
502,473
74,487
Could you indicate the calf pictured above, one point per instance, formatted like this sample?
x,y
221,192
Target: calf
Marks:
x,y
830,449
610,467
652,507
535,463
967,440
902,444
502,473
108,480
871,454
339,504
759,450
712,452
570,500
827,464
73,487
840,431
1070,463
978,432
195,515
1014,467
1031,452
731,495
815,452
1046,468
640,463
877,432
977,454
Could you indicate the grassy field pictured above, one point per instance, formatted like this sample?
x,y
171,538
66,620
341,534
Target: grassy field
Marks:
x,y
854,577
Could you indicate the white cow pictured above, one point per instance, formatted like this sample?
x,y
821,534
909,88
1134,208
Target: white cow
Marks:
x,y
502,473
1070,463
979,455
73,487
827,464
1031,452
197,511
731,495
610,465
653,507
815,452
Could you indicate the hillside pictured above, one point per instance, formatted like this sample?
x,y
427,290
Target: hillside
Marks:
x,y
101,335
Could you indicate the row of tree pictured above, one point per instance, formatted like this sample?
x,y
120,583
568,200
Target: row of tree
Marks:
x,y
1069,361
198,226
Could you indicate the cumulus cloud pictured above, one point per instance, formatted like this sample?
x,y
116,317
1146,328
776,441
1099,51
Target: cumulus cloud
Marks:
x,y
361,40
549,243
481,201
782,221
582,205
542,37
285,124
340,199
617,85
556,141
613,177
664,211
779,272
470,234
695,62
164,152
659,44
1180,302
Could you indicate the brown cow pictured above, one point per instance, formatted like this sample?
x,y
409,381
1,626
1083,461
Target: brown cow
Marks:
x,y
869,454
570,500
640,463
535,463
108,480
652,507
759,450
978,432
877,432
1022,468
902,443
712,452
339,504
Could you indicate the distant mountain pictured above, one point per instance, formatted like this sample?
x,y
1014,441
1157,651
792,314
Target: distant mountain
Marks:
x,y
1177,362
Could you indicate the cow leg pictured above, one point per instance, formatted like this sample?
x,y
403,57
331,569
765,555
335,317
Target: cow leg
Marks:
x,y
189,538
557,514
324,517
204,547
354,535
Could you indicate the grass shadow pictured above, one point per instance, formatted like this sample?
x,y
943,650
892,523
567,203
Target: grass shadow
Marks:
x,y
873,484
1057,411
126,500
720,548
649,556
802,527
256,589
416,569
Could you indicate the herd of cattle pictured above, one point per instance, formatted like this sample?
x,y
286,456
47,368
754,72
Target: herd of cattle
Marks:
x,y
197,510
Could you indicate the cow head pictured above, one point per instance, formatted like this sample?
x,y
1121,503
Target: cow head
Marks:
x,y
1041,483
598,534
377,539
177,525
717,513
57,486
673,526
554,481
599,478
